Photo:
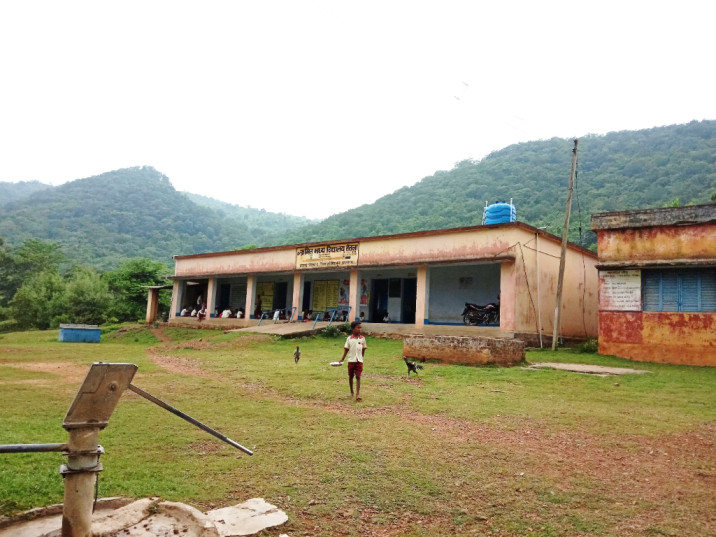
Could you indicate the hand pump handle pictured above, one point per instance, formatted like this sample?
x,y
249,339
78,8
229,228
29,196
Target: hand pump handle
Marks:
x,y
188,418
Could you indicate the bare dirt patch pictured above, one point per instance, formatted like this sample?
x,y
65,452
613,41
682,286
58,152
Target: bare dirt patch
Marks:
x,y
67,372
181,366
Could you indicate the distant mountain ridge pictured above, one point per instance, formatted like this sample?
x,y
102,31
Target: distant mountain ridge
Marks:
x,y
617,171
10,192
250,215
132,212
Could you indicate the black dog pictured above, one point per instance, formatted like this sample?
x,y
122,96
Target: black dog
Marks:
x,y
412,366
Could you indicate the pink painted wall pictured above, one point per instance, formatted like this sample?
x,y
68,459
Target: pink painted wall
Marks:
x,y
499,244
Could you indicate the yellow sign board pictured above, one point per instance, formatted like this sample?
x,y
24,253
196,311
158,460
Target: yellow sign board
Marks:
x,y
327,256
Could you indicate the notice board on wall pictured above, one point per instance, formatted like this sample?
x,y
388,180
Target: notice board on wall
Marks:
x,y
325,294
265,291
620,290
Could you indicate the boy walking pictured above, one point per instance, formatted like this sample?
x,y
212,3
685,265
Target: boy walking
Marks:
x,y
354,349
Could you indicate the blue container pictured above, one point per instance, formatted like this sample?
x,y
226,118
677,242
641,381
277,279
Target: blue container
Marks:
x,y
79,333
499,213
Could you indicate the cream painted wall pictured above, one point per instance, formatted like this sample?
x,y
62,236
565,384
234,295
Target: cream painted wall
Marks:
x,y
502,244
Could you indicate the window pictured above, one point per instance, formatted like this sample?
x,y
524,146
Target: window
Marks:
x,y
679,290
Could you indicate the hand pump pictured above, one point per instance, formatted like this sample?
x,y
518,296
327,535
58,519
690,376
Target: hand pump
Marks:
x,y
89,413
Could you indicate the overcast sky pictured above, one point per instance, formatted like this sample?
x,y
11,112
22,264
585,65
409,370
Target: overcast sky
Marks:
x,y
312,108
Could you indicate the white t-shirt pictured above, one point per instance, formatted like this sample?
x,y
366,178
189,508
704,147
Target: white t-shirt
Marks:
x,y
355,346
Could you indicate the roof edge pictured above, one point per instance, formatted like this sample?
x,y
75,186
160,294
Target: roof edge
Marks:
x,y
689,215
424,233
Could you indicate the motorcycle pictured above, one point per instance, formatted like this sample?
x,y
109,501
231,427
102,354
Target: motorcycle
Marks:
x,y
473,314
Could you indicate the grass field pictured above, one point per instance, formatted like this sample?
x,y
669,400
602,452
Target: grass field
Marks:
x,y
459,451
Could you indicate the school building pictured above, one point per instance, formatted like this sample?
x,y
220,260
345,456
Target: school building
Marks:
x,y
413,279
657,284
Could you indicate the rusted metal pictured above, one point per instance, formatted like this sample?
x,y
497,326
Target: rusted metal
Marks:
x,y
98,395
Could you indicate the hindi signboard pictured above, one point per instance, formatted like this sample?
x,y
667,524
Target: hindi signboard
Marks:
x,y
330,255
620,290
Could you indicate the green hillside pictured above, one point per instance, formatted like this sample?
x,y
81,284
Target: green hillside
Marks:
x,y
617,171
10,192
260,221
132,212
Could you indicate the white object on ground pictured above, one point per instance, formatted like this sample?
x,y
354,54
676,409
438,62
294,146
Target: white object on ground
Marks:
x,y
132,519
336,364
590,369
247,518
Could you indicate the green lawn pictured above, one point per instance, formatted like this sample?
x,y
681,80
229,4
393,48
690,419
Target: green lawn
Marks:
x,y
459,451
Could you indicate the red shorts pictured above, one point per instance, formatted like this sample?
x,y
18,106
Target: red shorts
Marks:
x,y
355,368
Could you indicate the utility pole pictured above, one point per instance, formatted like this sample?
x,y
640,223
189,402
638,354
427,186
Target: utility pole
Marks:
x,y
563,256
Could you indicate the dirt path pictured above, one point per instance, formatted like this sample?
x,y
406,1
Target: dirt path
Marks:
x,y
160,335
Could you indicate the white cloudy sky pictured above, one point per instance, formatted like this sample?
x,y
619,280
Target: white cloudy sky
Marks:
x,y
311,107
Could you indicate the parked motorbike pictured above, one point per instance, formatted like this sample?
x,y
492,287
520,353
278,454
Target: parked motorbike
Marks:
x,y
474,314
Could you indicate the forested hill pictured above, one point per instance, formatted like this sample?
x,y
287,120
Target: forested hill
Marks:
x,y
616,171
132,212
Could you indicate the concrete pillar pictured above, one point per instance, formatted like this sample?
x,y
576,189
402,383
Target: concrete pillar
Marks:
x,y
250,295
210,297
297,301
152,305
508,295
354,295
422,296
177,295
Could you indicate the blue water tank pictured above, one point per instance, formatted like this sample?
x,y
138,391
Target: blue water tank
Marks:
x,y
79,333
499,213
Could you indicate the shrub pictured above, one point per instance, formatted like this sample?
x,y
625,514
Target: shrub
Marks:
x,y
331,332
590,346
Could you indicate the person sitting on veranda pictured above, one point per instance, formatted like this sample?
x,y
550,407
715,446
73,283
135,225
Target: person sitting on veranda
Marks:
x,y
201,314
239,313
194,312
226,313
185,312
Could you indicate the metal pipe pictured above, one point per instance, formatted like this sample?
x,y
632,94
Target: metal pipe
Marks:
x,y
80,475
187,417
32,448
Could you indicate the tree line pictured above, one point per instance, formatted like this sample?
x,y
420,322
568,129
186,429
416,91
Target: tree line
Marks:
x,y
41,288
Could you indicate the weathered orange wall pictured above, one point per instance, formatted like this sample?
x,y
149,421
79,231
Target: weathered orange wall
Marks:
x,y
675,338
670,337
657,243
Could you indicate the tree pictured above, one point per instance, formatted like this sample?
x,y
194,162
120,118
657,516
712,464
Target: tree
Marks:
x,y
39,301
87,297
34,256
128,286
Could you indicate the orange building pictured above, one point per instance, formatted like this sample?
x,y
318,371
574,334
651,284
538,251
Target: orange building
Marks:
x,y
422,278
657,284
